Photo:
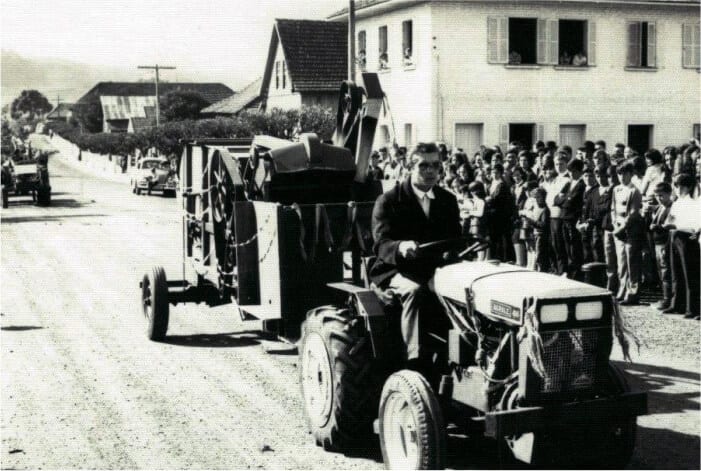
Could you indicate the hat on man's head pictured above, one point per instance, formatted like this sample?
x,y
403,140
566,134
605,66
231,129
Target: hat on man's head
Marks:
x,y
551,145
588,146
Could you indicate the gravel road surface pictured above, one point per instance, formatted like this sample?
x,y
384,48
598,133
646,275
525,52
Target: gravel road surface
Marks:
x,y
82,387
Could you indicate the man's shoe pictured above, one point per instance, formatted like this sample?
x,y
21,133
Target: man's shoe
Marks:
x,y
689,315
662,305
670,310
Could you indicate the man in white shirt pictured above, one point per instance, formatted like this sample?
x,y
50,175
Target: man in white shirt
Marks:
x,y
684,223
556,192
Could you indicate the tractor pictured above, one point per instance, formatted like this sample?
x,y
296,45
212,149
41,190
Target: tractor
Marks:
x,y
281,230
23,174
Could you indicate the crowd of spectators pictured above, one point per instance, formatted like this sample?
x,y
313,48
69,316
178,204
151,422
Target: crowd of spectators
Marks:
x,y
564,211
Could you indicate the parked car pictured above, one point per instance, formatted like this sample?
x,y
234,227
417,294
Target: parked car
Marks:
x,y
154,174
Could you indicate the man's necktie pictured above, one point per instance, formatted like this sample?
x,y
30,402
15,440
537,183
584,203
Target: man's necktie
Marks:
x,y
426,204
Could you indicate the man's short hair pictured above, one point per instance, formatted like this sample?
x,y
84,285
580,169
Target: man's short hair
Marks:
x,y
547,165
424,148
575,165
601,154
663,187
655,156
626,167
551,145
539,145
620,146
601,143
562,156
531,185
685,180
383,149
520,171
540,192
588,145
588,170
498,167
476,187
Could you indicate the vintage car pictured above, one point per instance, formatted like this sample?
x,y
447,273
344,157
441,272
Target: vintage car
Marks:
x,y
154,174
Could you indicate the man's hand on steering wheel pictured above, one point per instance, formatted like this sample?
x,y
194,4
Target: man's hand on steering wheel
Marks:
x,y
408,249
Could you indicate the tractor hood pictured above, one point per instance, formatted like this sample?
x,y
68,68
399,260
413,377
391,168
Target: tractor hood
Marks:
x,y
504,286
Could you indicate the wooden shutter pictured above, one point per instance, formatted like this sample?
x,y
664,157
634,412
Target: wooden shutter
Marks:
x,y
553,41
362,42
497,40
383,38
651,45
591,43
504,137
633,54
542,56
687,45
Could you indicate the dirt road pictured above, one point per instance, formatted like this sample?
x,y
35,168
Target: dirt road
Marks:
x,y
82,387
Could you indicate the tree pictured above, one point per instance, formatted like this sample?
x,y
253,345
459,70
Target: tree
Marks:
x,y
178,105
30,102
89,116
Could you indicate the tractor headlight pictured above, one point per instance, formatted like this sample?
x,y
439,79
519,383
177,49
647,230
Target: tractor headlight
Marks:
x,y
551,313
589,311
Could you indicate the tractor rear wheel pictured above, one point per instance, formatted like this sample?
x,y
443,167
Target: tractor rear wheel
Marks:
x,y
412,430
154,299
340,379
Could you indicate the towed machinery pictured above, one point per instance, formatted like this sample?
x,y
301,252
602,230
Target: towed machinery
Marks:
x,y
282,229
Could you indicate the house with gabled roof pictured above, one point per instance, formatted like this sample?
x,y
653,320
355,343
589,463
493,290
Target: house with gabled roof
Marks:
x,y
130,106
486,72
62,112
248,98
307,61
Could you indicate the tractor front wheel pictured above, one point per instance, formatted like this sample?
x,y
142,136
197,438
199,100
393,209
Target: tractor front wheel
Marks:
x,y
412,430
339,377
154,299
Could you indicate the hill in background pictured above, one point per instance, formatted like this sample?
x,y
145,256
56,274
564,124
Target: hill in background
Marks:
x,y
71,80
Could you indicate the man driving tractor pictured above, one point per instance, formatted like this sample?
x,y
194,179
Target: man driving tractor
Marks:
x,y
414,212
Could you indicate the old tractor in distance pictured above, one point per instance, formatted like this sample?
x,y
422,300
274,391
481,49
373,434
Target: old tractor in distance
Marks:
x,y
25,173
281,230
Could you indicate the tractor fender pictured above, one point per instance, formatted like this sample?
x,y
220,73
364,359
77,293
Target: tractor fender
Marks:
x,y
370,308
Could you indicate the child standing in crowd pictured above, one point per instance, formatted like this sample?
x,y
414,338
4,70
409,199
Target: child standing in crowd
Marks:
x,y
475,209
660,237
520,195
589,223
539,219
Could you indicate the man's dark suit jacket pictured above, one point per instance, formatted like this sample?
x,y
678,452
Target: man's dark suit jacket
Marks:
x,y
398,216
573,203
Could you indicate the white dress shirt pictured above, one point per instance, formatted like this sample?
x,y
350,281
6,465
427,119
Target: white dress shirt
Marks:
x,y
685,214
424,198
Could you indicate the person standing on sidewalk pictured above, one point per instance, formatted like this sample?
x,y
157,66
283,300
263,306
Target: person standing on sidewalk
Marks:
x,y
660,237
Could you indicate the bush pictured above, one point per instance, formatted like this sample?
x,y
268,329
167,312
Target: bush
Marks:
x,y
167,137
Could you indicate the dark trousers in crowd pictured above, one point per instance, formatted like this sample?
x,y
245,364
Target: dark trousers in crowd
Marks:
x,y
663,259
592,244
558,255
650,269
611,260
542,252
500,240
573,247
685,274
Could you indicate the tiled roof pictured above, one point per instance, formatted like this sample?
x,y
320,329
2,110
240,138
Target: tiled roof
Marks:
x,y
242,99
212,92
315,52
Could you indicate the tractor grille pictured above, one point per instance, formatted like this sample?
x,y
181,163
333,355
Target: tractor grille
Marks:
x,y
570,361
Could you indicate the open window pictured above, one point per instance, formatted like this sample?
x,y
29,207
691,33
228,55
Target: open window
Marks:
x,y
573,43
522,42
384,55
407,43
642,44
362,50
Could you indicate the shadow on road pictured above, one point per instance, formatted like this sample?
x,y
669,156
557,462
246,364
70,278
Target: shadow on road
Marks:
x,y
669,450
69,203
20,328
213,340
47,217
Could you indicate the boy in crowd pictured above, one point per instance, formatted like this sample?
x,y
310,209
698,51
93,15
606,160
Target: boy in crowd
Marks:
x,y
660,237
590,223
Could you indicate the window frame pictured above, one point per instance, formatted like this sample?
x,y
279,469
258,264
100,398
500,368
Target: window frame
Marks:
x,y
362,43
382,37
408,43
589,44
650,55
694,44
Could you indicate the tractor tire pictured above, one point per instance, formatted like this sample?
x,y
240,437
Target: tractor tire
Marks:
x,y
340,379
154,299
412,428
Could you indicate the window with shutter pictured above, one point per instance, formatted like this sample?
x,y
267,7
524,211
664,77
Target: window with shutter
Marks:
x,y
407,42
384,56
542,49
691,39
591,42
572,47
553,41
642,44
522,41
362,50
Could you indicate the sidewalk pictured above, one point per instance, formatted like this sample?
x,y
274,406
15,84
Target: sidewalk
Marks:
x,y
93,164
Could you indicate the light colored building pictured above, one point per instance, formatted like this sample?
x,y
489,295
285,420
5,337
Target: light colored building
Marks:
x,y
489,72
307,61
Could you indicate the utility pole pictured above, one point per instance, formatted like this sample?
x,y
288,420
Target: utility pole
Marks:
x,y
351,40
157,68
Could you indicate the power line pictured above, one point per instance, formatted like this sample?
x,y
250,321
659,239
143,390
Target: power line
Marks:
x,y
157,68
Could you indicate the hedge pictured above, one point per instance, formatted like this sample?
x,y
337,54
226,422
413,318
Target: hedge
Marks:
x,y
166,138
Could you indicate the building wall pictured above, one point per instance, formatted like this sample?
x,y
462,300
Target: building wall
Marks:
x,y
409,89
282,97
324,99
605,97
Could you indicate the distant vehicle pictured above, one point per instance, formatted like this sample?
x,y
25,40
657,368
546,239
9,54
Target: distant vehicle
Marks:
x,y
23,175
154,174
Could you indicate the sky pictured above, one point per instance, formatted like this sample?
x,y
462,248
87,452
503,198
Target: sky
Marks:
x,y
216,35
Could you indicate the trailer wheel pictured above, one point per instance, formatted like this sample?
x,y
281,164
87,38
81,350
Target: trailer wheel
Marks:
x,y
154,299
412,430
339,377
